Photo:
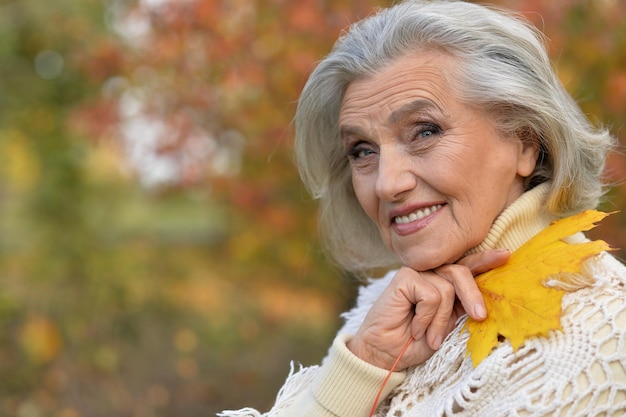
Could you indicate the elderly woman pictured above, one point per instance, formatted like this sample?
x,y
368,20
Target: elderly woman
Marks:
x,y
439,140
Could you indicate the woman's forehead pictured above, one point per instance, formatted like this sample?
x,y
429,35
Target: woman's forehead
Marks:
x,y
411,83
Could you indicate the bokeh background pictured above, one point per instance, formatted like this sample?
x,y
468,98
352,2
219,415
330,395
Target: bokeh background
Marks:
x,y
158,255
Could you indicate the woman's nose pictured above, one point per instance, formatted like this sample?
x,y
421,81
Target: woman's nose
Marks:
x,y
396,173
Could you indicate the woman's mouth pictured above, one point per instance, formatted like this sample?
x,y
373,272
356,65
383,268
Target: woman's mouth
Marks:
x,y
416,215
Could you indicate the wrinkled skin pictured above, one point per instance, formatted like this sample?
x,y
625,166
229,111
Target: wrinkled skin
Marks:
x,y
433,174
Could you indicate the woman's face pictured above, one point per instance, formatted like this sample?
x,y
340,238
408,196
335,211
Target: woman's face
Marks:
x,y
431,172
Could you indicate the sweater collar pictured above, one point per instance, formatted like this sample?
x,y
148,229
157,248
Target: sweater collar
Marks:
x,y
519,222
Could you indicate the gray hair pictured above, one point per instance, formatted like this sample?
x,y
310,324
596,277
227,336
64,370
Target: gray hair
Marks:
x,y
503,69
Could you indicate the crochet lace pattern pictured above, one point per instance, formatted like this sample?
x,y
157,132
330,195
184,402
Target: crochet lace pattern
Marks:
x,y
579,371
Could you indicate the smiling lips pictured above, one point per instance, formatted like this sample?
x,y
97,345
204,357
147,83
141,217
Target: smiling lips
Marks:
x,y
416,215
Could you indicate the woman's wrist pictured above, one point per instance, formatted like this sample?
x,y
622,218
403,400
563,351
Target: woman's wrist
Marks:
x,y
347,385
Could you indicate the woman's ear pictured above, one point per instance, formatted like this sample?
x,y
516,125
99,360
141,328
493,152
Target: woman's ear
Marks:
x,y
527,157
528,152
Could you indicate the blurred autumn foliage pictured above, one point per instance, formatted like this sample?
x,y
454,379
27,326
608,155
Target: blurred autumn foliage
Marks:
x,y
158,255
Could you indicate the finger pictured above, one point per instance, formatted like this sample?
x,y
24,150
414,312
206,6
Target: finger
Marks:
x,y
425,300
465,288
434,310
484,261
459,310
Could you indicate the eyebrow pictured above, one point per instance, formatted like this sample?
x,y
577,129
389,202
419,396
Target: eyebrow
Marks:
x,y
421,104
350,130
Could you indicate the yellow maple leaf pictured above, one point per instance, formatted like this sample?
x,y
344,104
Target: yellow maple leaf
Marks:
x,y
519,306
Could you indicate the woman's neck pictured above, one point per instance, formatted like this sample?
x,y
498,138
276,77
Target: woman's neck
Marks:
x,y
519,222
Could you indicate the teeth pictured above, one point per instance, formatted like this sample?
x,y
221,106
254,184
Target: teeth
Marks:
x,y
419,214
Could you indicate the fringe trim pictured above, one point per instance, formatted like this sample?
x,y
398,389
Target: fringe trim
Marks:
x,y
571,282
244,412
296,383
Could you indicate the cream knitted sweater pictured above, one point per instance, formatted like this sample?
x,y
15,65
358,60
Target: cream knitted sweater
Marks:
x,y
580,371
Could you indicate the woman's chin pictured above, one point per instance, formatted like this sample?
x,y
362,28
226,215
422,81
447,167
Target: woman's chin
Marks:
x,y
424,262
420,259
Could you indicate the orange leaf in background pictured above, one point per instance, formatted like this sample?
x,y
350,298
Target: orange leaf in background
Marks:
x,y
519,306
40,339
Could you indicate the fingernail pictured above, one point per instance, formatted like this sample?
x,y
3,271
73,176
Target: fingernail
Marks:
x,y
437,342
479,311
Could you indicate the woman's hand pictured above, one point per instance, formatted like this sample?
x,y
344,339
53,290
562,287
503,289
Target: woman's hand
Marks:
x,y
424,305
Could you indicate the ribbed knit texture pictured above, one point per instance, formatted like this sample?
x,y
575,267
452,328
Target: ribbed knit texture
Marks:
x,y
523,219
341,370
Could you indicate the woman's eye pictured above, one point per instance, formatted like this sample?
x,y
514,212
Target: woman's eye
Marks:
x,y
427,131
360,151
